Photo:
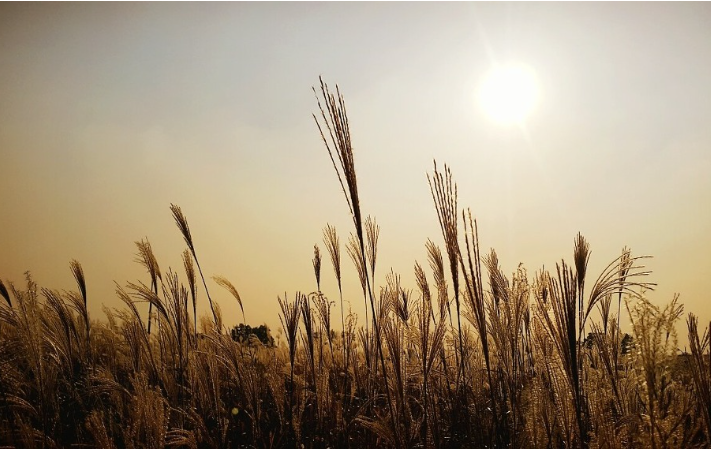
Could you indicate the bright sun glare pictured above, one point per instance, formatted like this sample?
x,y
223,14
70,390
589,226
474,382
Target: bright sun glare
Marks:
x,y
509,93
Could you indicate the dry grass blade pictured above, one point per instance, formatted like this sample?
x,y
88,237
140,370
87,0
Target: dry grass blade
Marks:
x,y
184,228
5,294
225,283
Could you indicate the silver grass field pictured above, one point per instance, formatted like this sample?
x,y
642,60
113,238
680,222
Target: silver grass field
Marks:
x,y
468,357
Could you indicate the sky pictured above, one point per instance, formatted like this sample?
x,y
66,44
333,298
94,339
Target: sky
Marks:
x,y
110,112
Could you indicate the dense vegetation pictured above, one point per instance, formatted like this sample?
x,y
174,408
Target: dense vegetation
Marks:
x,y
469,357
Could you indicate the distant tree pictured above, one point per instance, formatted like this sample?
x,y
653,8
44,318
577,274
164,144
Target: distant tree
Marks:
x,y
590,339
242,333
626,345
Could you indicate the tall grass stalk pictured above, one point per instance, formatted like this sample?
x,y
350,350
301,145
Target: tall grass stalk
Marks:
x,y
336,123
148,260
701,369
184,228
190,274
331,241
475,296
444,195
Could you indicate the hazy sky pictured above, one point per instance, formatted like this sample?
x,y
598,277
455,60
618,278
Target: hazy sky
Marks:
x,y
110,112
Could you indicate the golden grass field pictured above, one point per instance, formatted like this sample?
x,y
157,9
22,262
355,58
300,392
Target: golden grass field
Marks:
x,y
469,357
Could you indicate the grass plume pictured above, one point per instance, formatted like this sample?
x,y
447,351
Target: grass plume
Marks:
x,y
184,228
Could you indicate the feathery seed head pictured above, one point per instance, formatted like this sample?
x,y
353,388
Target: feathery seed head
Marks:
x,y
317,266
224,282
330,239
189,271
148,260
354,252
182,223
335,122
78,273
581,255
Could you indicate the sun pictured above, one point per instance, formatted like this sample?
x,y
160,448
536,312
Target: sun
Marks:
x,y
509,93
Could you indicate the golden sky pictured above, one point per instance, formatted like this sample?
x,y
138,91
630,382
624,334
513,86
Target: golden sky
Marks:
x,y
110,112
